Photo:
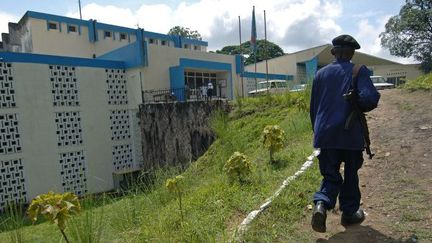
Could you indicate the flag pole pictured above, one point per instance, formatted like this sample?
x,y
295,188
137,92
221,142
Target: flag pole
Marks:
x,y
254,43
79,4
241,57
266,50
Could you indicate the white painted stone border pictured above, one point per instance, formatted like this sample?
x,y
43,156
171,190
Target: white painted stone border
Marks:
x,y
252,215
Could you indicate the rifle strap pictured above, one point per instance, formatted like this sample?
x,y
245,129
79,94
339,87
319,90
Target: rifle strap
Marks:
x,y
355,71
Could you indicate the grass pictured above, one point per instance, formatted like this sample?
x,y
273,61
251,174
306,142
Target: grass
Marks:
x,y
213,207
423,82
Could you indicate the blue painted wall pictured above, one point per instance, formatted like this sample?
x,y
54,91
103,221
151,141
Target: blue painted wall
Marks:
x,y
270,76
177,72
130,54
59,60
311,68
239,59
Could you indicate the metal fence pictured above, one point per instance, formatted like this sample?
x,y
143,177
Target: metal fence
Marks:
x,y
179,94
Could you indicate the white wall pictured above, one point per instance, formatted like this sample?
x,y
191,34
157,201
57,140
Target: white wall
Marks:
x,y
54,42
73,44
37,125
161,58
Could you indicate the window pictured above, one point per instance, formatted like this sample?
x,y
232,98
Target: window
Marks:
x,y
107,34
152,41
164,42
196,48
186,46
52,26
72,28
122,36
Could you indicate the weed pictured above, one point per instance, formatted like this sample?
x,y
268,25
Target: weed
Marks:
x,y
423,82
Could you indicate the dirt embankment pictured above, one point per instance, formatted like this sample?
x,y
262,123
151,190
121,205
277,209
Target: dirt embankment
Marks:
x,y
396,185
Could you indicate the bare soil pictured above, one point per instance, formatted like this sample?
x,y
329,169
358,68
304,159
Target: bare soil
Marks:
x,y
396,184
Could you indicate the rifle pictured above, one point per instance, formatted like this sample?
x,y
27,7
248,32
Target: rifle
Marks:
x,y
356,113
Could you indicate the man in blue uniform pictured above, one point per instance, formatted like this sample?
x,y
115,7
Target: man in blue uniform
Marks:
x,y
328,112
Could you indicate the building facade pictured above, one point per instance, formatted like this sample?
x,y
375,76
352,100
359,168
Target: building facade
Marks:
x,y
302,65
69,96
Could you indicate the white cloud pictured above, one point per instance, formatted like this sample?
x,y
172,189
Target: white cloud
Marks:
x,y
292,24
5,19
217,20
107,14
368,36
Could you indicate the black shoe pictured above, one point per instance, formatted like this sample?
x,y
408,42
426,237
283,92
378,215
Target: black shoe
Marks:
x,y
357,218
319,217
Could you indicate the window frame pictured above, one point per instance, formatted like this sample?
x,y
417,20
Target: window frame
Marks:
x,y
110,34
69,26
50,25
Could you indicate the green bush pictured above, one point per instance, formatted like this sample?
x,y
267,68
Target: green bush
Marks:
x,y
238,167
421,83
174,186
57,208
273,139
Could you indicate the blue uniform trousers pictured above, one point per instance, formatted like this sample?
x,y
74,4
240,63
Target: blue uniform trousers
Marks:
x,y
333,184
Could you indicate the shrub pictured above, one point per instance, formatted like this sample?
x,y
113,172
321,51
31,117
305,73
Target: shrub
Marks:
x,y
174,185
273,139
421,83
238,167
57,208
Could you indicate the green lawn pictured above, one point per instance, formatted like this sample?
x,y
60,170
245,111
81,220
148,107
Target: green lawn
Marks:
x,y
213,207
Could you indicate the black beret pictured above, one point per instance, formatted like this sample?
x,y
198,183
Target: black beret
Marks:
x,y
345,40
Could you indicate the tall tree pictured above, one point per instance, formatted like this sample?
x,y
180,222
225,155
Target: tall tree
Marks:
x,y
264,50
185,32
409,34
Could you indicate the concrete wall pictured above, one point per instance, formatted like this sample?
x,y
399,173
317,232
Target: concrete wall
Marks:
x,y
96,113
107,44
176,133
19,39
160,58
56,42
410,71
74,44
287,64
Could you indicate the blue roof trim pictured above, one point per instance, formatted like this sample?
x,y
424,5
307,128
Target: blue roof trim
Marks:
x,y
178,40
132,55
59,60
194,42
115,28
57,18
239,63
200,64
270,76
155,35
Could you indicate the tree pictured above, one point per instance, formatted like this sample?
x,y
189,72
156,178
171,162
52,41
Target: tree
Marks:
x,y
264,50
409,34
185,32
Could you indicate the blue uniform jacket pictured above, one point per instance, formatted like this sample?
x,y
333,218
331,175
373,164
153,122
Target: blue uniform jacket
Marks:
x,y
329,110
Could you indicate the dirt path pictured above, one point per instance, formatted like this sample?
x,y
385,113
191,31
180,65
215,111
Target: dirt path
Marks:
x,y
397,184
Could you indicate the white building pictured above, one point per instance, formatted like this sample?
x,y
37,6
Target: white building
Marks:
x,y
302,65
70,91
69,95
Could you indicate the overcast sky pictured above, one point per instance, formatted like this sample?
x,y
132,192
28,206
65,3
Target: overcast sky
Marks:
x,y
292,24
